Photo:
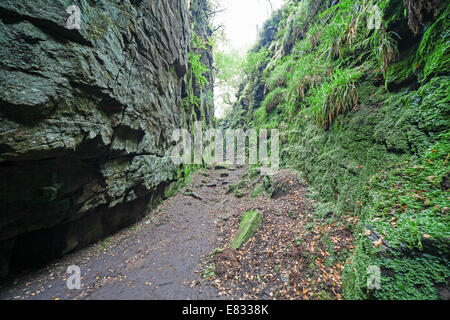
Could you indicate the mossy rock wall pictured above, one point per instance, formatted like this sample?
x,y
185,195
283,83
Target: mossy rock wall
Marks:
x,y
383,158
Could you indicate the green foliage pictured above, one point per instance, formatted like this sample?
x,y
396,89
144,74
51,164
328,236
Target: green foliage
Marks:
x,y
198,69
407,205
312,74
195,76
413,195
191,100
228,75
256,62
197,42
434,51
387,160
107,242
335,96
228,68
273,99
339,166
269,30
260,116
384,48
279,75
294,24
334,35
402,71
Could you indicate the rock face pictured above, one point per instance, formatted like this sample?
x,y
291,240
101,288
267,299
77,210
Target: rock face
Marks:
x,y
251,220
371,158
86,118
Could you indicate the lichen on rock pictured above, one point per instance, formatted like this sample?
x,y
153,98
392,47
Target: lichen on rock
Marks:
x,y
251,220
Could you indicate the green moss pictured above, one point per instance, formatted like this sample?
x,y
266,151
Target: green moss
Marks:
x,y
198,69
369,156
433,55
273,99
239,188
174,188
393,12
335,96
408,208
260,116
258,191
250,223
99,24
403,277
402,71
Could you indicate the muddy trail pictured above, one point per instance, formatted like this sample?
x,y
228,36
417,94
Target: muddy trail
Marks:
x,y
181,250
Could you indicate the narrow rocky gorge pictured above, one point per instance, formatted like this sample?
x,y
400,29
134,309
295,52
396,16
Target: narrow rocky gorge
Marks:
x,y
340,108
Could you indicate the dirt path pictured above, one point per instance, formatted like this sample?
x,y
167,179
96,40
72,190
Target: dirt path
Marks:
x,y
182,249
158,258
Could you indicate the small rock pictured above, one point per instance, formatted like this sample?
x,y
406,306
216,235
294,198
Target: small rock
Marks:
x,y
240,193
221,166
196,196
250,223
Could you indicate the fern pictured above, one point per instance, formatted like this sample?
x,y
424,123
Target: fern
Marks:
x,y
334,97
273,99
198,69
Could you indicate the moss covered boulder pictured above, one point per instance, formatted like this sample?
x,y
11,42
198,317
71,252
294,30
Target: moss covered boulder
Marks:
x,y
249,224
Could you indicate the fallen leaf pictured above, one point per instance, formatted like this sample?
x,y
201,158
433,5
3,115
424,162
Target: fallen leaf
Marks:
x,y
378,243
